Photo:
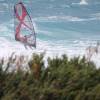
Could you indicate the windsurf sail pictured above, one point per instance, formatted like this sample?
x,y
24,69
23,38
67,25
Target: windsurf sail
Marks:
x,y
24,29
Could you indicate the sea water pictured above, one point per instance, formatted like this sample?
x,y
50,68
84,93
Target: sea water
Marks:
x,y
62,27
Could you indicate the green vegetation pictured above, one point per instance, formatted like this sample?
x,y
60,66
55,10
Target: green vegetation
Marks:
x,y
63,79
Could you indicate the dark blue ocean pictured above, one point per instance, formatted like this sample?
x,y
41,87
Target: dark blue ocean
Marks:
x,y
62,26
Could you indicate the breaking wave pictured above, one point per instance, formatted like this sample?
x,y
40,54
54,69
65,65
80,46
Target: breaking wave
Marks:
x,y
82,2
67,18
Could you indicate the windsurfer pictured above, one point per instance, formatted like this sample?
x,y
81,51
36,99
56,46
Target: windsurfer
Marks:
x,y
29,39
25,41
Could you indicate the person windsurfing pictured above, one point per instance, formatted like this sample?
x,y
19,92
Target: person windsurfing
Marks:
x,y
27,40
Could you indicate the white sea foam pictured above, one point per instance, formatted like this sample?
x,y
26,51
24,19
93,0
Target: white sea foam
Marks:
x,y
58,18
82,2
96,16
65,6
52,48
67,18
3,7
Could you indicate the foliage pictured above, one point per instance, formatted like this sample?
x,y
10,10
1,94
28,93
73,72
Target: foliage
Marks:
x,y
62,79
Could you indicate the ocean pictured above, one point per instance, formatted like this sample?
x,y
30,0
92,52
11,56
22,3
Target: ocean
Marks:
x,y
62,27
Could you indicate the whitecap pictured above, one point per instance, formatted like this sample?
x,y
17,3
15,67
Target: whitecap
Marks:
x,y
82,2
66,18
